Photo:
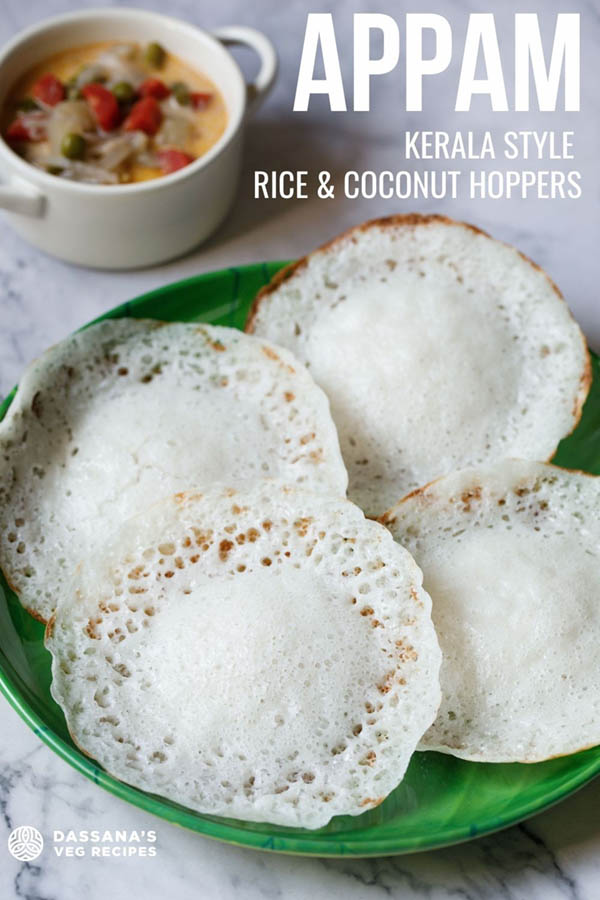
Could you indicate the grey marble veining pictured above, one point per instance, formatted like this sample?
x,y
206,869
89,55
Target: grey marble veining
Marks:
x,y
554,856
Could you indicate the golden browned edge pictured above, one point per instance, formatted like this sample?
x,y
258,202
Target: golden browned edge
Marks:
x,y
585,379
523,762
49,627
412,220
585,383
32,612
389,516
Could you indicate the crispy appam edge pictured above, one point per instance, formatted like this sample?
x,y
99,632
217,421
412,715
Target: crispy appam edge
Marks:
x,y
388,518
32,612
413,220
585,383
524,761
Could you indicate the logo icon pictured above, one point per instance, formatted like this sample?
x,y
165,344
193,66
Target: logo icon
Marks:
x,y
25,843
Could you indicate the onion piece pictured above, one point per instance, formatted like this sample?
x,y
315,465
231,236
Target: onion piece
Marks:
x,y
80,171
74,170
118,64
171,107
148,159
43,107
175,131
89,74
66,117
121,52
37,154
111,153
50,159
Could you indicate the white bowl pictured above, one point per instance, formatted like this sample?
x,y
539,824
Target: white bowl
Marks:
x,y
131,225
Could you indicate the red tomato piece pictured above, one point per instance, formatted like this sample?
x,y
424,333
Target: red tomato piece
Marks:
x,y
200,99
154,87
19,131
145,116
16,131
49,90
172,160
103,104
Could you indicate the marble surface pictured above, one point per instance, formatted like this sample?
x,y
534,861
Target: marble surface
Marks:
x,y
555,855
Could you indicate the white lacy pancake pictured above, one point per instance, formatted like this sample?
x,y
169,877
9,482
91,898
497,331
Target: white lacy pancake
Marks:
x,y
438,347
128,411
511,556
266,655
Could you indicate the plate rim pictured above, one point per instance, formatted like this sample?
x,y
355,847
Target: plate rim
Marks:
x,y
304,844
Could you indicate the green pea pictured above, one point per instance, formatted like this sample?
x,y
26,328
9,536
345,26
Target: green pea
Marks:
x,y
54,170
73,145
27,104
123,91
181,93
155,55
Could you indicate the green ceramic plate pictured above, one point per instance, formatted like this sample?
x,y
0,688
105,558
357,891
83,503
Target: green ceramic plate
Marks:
x,y
441,801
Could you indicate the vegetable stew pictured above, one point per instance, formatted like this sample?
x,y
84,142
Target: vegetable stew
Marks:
x,y
114,113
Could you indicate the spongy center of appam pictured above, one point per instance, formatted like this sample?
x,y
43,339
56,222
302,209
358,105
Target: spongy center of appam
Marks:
x,y
159,447
240,637
378,352
498,606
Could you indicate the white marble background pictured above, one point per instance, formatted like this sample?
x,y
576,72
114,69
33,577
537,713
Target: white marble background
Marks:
x,y
555,855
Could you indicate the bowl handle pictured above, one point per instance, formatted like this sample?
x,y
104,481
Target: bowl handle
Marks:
x,y
17,195
260,43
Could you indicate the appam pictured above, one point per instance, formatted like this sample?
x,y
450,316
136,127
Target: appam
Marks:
x,y
511,556
438,347
265,654
128,411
